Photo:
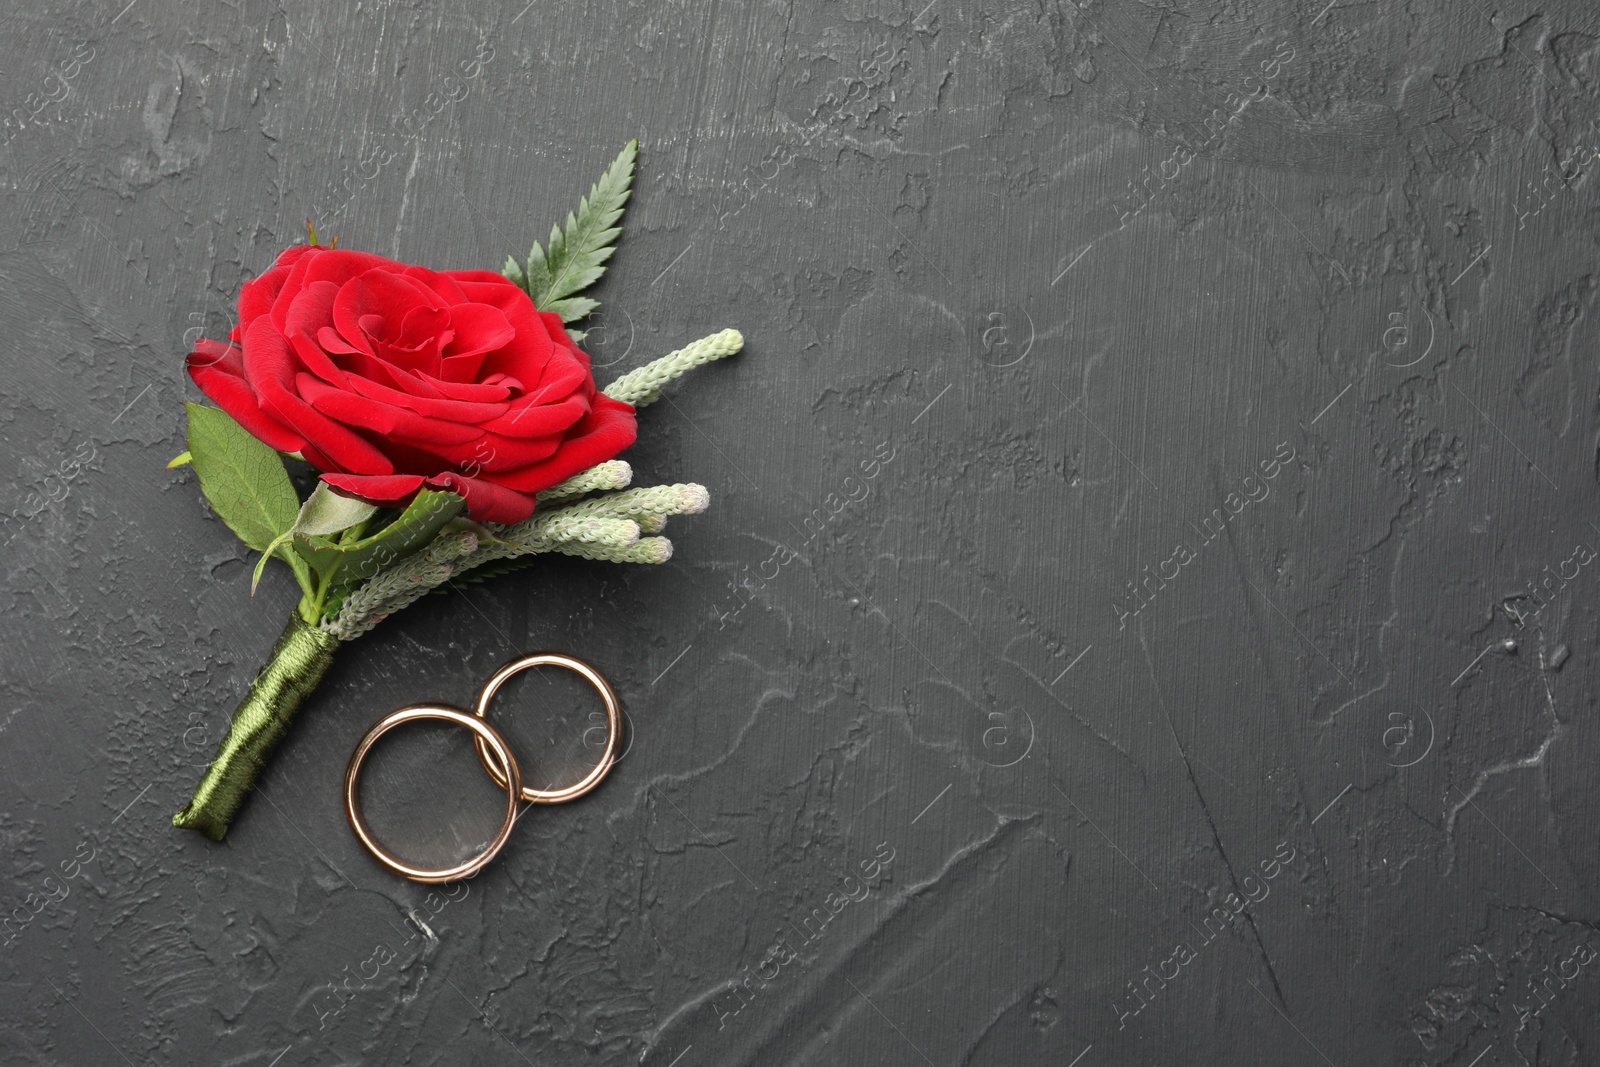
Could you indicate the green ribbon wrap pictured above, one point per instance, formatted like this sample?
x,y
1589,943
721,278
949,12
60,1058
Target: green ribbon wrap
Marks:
x,y
297,663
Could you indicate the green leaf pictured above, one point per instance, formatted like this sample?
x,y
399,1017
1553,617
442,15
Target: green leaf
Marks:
x,y
575,307
242,477
329,512
325,512
576,258
266,554
514,271
411,530
180,460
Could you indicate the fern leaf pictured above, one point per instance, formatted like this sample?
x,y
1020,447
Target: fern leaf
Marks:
x,y
492,569
577,253
513,270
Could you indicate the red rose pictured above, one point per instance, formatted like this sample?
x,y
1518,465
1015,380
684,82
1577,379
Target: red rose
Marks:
x,y
388,377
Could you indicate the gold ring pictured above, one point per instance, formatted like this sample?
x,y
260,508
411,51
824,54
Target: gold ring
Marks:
x,y
509,777
613,724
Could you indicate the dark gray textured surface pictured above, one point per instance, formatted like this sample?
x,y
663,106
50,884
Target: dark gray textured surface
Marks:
x,y
997,244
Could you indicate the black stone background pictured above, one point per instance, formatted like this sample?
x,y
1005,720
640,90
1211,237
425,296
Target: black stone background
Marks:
x,y
997,244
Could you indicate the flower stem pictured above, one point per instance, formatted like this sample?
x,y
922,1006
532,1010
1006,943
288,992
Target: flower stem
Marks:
x,y
312,612
297,663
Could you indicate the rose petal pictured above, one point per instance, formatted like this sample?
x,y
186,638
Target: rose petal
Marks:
x,y
309,313
460,370
608,429
256,296
218,370
422,324
496,291
337,265
561,377
480,392
491,278
209,354
559,335
440,282
492,453
412,383
478,328
385,490
531,419
376,369
376,293
332,341
486,501
381,418
464,411
340,265
530,353
271,368
422,334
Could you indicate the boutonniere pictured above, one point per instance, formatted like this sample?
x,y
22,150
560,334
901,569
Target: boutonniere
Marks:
x,y
457,432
